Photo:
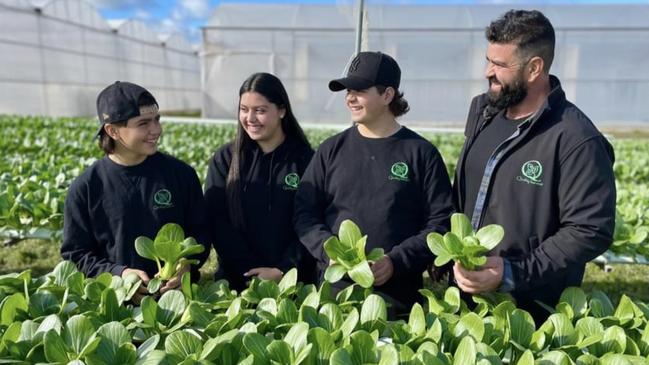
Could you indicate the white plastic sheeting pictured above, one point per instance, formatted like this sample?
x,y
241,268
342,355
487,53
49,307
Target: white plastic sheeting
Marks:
x,y
56,60
440,48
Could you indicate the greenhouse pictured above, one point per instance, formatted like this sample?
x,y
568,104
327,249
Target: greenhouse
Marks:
x,y
58,55
440,48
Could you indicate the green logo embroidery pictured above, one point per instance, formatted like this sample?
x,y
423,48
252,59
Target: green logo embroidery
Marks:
x,y
291,180
162,199
532,171
399,171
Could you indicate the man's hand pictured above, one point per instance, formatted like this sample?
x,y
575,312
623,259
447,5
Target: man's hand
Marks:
x,y
382,270
141,291
174,282
266,273
487,279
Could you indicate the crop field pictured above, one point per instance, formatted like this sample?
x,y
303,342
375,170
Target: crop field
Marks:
x,y
51,313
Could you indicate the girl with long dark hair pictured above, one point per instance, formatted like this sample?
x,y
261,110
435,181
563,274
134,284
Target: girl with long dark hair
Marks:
x,y
250,187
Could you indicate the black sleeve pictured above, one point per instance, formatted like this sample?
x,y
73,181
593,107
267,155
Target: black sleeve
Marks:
x,y
196,220
79,244
586,193
228,242
413,254
310,206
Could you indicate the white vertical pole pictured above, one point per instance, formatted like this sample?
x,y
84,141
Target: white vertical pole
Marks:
x,y
359,25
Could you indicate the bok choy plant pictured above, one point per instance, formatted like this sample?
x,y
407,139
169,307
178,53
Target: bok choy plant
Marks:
x,y
348,253
169,250
462,244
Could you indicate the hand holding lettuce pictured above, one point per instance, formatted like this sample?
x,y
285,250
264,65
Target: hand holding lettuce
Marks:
x,y
463,245
347,251
170,250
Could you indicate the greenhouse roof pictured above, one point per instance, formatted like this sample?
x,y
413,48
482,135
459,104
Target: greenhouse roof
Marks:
x,y
249,15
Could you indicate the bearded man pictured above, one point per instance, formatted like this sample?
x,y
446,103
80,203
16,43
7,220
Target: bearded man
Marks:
x,y
535,164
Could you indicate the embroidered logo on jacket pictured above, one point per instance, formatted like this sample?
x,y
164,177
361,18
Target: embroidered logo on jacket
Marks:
x,y
399,171
291,181
532,171
162,199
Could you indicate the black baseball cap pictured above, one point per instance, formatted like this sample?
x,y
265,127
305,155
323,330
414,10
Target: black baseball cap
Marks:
x,y
369,69
119,102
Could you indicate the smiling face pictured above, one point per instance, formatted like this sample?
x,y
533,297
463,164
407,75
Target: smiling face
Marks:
x,y
261,120
138,139
367,105
506,75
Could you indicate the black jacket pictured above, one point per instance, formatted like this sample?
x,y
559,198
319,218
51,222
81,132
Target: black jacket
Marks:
x,y
552,188
268,184
109,206
353,177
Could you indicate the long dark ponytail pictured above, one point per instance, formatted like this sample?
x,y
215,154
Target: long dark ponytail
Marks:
x,y
272,89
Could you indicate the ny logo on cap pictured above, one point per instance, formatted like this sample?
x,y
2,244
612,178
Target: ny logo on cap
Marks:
x,y
105,116
355,63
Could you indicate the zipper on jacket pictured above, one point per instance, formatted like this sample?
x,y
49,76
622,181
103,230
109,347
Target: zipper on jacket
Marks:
x,y
487,176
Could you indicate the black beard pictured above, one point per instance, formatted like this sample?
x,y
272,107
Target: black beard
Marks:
x,y
509,95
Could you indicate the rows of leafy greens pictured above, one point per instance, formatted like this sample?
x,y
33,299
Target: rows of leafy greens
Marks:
x,y
41,157
67,318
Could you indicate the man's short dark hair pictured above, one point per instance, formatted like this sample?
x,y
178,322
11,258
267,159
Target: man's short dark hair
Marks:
x,y
529,30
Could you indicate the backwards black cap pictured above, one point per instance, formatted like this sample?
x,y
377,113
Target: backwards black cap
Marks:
x,y
369,69
119,102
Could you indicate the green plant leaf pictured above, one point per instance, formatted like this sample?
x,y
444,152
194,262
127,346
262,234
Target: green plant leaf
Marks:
x,y
614,340
323,346
362,274
113,335
376,254
526,359
349,233
363,348
453,244
55,348
147,346
577,300
341,357
442,259
470,324
436,244
144,247
12,306
373,309
281,352
170,233
63,271
350,323
256,345
296,336
170,307
521,327
465,354
417,320
461,225
183,344
78,333
289,281
154,285
490,236
334,273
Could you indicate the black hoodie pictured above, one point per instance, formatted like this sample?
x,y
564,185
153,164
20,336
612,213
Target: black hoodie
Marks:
x,y
110,205
357,178
268,185
551,186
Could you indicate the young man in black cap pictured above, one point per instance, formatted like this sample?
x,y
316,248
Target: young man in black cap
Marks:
x,y
384,177
133,191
